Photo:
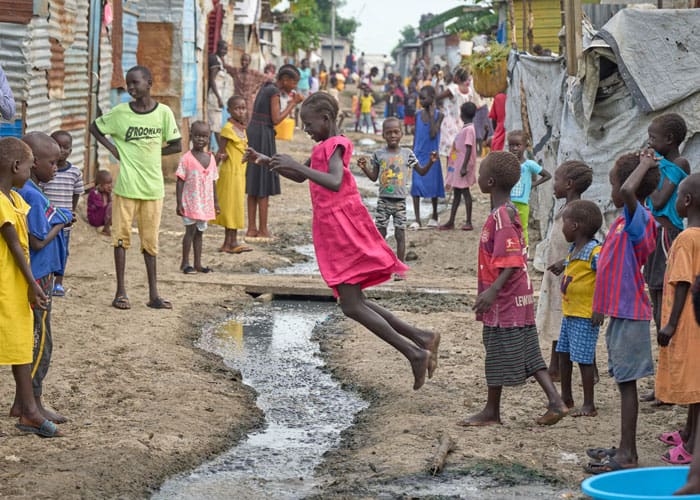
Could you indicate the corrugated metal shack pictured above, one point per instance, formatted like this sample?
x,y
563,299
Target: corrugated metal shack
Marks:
x,y
46,51
66,61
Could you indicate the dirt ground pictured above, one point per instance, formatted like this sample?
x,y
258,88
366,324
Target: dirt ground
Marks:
x,y
145,404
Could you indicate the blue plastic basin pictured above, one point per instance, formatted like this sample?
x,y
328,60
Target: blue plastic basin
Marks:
x,y
653,483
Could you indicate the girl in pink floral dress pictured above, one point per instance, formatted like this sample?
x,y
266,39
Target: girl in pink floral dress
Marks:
x,y
351,253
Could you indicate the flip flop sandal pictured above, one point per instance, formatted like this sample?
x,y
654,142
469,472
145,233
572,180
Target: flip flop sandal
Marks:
x,y
58,291
205,270
671,438
608,464
47,429
121,302
189,270
677,455
467,227
601,453
240,249
160,303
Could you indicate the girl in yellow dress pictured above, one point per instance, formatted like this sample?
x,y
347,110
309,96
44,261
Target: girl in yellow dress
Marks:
x,y
18,288
230,188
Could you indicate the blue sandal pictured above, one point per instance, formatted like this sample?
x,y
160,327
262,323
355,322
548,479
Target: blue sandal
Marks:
x,y
58,291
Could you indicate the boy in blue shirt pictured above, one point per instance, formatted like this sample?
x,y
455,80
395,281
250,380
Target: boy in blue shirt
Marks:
x,y
520,194
47,252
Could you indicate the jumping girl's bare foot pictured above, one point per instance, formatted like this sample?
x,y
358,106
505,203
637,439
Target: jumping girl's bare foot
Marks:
x,y
433,348
419,367
481,419
585,411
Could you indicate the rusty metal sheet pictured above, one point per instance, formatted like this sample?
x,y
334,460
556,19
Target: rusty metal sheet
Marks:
x,y
16,11
14,46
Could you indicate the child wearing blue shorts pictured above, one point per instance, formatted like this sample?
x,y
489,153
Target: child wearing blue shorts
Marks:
x,y
581,220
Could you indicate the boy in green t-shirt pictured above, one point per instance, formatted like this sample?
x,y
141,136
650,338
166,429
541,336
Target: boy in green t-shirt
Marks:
x,y
138,128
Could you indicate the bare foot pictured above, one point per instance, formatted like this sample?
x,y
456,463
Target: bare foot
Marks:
x,y
691,487
481,419
56,418
419,367
251,233
552,415
433,348
585,411
569,403
107,232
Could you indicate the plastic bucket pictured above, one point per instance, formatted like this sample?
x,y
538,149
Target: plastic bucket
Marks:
x,y
284,130
653,483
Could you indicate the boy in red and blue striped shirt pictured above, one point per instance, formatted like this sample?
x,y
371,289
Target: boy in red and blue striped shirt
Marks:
x,y
619,293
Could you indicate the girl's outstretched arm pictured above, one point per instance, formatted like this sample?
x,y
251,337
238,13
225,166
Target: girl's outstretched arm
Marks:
x,y
288,167
252,156
647,161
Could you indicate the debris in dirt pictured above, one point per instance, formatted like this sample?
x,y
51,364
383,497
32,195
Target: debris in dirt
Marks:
x,y
265,297
411,255
447,444
13,458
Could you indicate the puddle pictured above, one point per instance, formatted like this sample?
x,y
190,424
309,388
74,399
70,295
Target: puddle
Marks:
x,y
309,266
305,409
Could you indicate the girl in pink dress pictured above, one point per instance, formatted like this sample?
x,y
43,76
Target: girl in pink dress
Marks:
x,y
351,253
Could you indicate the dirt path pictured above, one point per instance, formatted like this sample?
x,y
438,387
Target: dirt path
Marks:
x,y
144,404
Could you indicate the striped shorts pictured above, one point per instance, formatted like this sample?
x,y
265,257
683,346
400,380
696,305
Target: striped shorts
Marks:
x,y
512,354
578,337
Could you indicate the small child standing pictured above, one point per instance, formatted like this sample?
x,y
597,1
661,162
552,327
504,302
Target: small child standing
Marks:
x,y
678,379
230,188
196,195
18,290
666,133
579,328
390,165
410,105
64,191
99,203
517,144
351,253
505,303
366,103
462,158
619,293
426,141
571,179
47,253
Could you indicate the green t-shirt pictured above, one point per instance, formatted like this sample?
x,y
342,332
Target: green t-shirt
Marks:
x,y
139,138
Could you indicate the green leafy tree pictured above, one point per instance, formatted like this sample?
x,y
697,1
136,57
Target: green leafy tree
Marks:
x,y
302,30
344,27
409,34
473,18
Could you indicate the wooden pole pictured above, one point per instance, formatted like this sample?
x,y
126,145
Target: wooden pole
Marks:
x,y
524,24
447,444
511,18
572,17
530,26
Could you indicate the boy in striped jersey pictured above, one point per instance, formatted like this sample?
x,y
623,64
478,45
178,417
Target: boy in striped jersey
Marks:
x,y
620,294
64,191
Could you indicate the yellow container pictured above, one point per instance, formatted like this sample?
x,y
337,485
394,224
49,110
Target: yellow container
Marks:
x,y
284,130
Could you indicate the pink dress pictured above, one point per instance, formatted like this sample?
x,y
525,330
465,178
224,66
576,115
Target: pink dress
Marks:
x,y
198,190
349,249
455,160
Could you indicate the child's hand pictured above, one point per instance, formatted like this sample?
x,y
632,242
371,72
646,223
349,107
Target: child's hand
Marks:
x,y
485,300
221,157
664,336
297,97
284,162
434,156
448,187
648,159
597,319
463,172
36,296
217,208
179,210
362,163
557,268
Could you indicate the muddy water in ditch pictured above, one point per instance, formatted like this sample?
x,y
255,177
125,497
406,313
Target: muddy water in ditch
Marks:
x,y
305,409
305,412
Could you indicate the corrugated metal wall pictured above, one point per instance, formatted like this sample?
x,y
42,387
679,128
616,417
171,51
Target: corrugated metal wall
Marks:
x,y
546,25
43,114
189,59
14,45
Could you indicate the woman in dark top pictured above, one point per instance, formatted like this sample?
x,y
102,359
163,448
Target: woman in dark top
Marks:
x,y
261,182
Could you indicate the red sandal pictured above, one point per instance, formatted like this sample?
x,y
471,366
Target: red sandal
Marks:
x,y
677,455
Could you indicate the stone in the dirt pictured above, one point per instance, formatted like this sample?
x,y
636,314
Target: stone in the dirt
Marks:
x,y
411,255
265,297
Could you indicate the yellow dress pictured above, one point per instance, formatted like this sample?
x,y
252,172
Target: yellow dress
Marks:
x,y
230,188
677,376
16,319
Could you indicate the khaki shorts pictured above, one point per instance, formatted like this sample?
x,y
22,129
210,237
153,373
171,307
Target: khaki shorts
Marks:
x,y
147,214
